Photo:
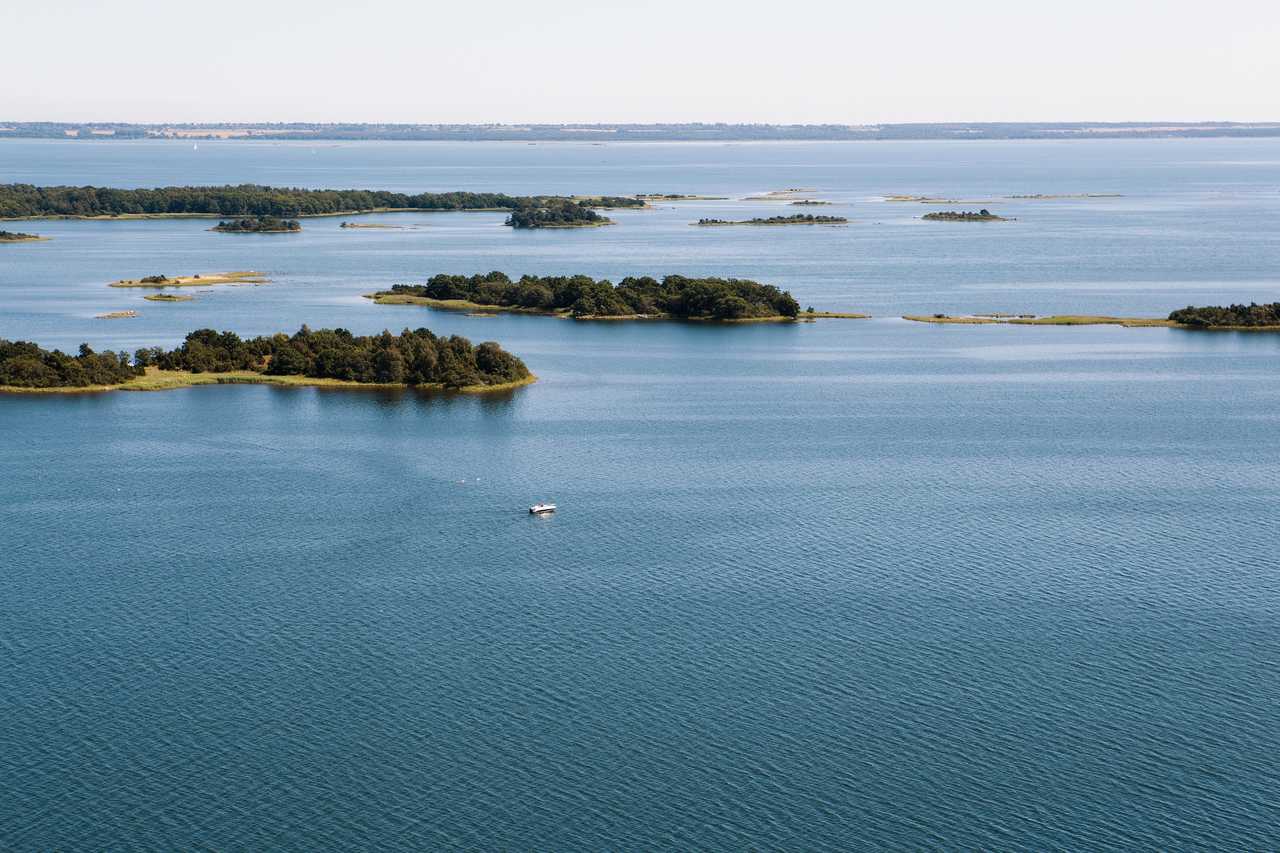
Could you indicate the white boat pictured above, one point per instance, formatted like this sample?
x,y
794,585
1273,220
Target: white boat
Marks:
x,y
542,509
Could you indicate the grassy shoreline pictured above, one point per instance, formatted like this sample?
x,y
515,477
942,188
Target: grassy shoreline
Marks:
x,y
604,221
1054,319
464,306
165,380
197,280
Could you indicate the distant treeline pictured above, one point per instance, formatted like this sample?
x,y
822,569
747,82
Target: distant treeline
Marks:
x,y
583,296
411,358
258,225
15,236
26,200
1252,314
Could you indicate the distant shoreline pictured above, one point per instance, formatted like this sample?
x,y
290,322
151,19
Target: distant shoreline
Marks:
x,y
635,132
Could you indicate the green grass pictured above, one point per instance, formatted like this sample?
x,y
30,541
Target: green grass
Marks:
x,y
165,380
1052,320
1090,320
198,280
964,321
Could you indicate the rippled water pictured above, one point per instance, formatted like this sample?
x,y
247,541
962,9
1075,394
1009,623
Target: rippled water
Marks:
x,y
838,585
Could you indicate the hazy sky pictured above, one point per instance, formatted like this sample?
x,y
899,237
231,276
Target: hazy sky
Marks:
x,y
599,60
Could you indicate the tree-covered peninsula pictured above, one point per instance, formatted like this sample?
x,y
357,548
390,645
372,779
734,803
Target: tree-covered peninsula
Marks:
x,y
1251,316
258,225
18,237
580,296
323,356
25,201
795,219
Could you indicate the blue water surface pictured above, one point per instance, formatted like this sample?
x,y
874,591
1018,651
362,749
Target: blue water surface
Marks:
x,y
839,585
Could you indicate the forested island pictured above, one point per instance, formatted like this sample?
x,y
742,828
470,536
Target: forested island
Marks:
x,y
582,297
794,219
18,237
25,201
258,225
320,357
1251,316
983,215
558,213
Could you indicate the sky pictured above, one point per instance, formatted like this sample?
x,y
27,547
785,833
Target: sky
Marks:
x,y
785,61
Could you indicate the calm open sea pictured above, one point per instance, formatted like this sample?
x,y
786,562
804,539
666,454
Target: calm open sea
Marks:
x,y
850,584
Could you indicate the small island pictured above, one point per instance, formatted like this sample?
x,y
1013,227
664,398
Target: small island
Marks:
x,y
794,219
19,237
674,297
258,225
781,195
983,215
560,213
679,197
382,225
328,357
1034,320
197,280
167,297
810,202
116,315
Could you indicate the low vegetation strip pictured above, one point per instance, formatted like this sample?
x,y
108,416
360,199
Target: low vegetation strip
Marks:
x,y
1033,320
795,219
414,358
197,280
1251,317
